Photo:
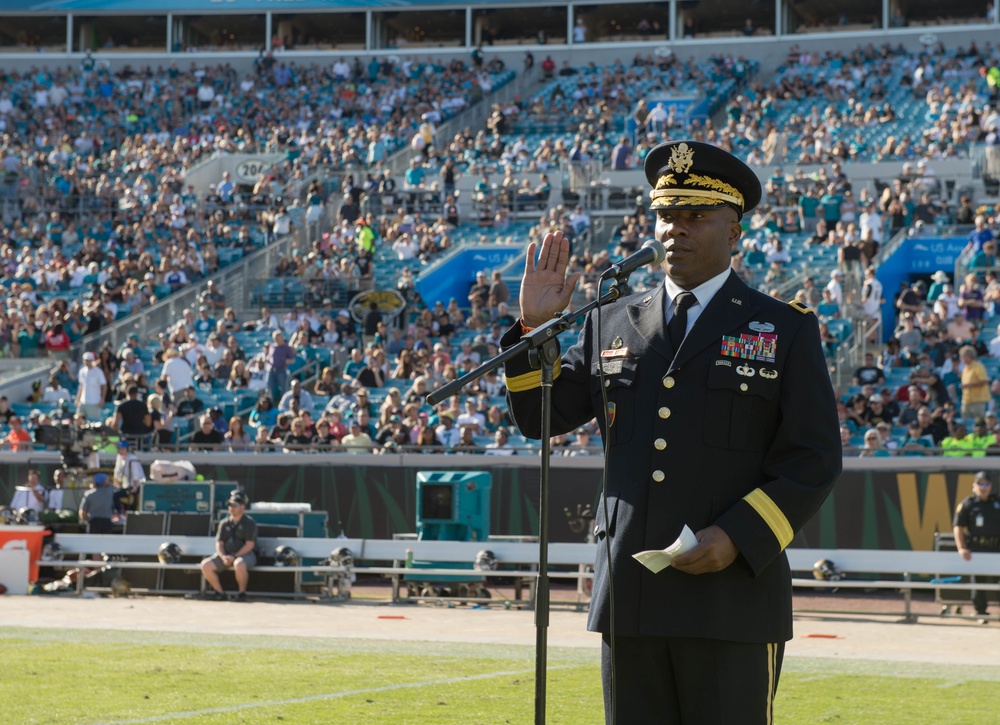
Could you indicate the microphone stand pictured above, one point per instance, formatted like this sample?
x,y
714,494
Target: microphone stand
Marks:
x,y
542,346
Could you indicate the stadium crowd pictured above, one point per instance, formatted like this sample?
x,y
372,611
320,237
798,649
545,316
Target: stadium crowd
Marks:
x,y
103,225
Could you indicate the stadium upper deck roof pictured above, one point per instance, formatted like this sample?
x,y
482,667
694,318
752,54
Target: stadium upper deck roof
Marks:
x,y
211,6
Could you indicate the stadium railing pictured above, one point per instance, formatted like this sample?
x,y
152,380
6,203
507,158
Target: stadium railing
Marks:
x,y
874,569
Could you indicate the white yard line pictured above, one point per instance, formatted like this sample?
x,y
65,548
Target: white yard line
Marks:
x,y
325,696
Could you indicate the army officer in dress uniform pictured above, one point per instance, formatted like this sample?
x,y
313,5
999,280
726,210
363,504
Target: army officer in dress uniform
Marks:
x,y
720,416
977,528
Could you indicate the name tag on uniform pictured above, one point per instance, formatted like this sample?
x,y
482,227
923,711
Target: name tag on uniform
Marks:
x,y
611,367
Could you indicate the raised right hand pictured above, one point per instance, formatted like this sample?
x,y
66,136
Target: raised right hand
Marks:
x,y
545,289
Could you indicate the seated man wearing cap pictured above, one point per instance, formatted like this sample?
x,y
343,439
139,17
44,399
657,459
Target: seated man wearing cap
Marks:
x,y
701,369
234,549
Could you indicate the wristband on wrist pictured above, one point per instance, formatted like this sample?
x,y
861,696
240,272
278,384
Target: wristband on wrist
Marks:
x,y
524,328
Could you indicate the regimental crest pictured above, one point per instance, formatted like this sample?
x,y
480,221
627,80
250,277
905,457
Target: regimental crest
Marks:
x,y
681,158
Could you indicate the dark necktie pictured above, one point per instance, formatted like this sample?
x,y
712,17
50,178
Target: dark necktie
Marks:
x,y
678,323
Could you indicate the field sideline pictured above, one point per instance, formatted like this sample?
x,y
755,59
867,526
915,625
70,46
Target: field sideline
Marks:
x,y
165,660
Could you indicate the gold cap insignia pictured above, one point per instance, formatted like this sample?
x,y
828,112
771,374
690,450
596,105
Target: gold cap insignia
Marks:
x,y
681,158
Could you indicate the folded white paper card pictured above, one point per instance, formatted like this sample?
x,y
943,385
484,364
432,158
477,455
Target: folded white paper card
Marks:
x,y
658,560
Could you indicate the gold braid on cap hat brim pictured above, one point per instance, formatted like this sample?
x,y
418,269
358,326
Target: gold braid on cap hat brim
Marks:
x,y
717,193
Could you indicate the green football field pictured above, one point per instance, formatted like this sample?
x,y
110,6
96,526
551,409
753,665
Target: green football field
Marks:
x,y
80,676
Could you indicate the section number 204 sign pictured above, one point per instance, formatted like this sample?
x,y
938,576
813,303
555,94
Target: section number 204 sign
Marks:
x,y
247,172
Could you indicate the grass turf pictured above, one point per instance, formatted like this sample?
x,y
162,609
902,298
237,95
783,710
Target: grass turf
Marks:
x,y
79,676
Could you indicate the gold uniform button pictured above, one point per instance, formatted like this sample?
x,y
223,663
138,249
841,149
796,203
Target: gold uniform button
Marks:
x,y
744,387
659,444
658,476
664,413
668,382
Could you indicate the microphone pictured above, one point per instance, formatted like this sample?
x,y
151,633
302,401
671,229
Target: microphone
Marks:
x,y
651,252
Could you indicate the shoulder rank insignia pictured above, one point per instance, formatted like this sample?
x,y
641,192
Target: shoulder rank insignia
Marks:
x,y
798,306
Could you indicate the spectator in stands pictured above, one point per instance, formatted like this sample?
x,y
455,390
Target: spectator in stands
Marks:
x,y
914,443
189,404
970,297
975,384
264,414
161,416
281,428
869,373
337,428
472,418
581,444
876,411
965,214
18,438
280,356
480,291
207,437
267,321
374,372
981,437
211,298
297,439
326,384
835,288
873,446
177,372
994,345
979,236
959,443
909,413
55,391
323,437
93,388
946,304
132,418
447,433
356,440
237,438
204,323
500,445
296,392
234,548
